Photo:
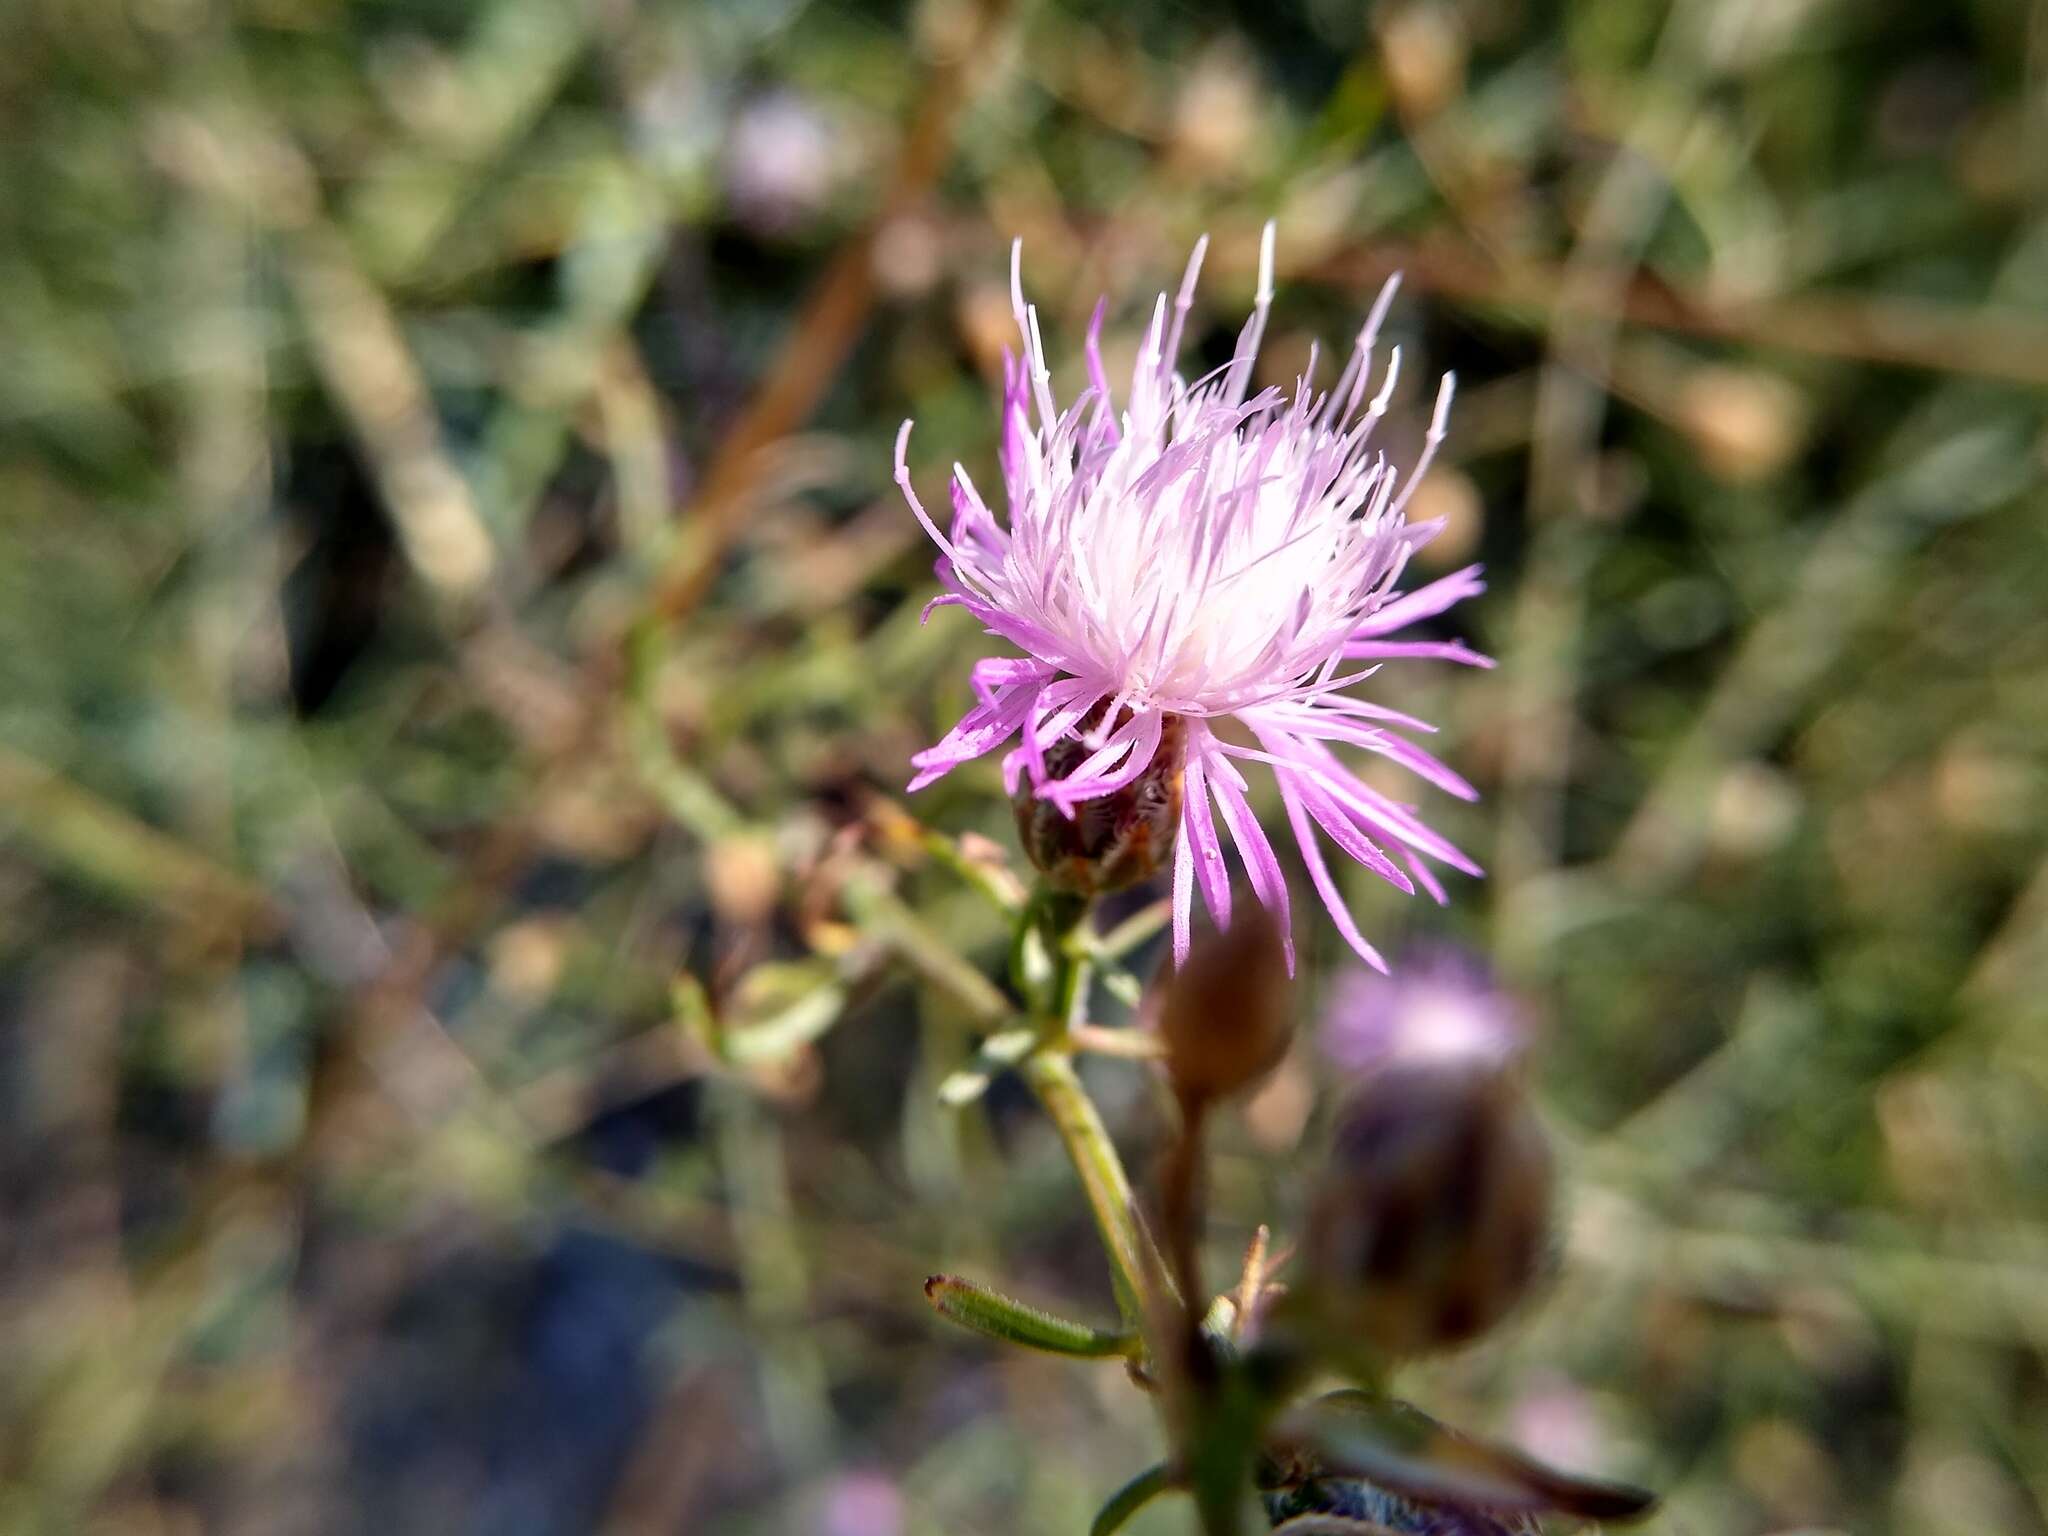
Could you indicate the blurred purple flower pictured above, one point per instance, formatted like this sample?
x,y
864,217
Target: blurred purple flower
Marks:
x,y
1555,1420
1441,1005
862,1504
1203,555
782,159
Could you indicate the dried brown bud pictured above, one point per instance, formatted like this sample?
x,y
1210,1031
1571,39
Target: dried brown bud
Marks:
x,y
1114,841
1225,1016
1432,1218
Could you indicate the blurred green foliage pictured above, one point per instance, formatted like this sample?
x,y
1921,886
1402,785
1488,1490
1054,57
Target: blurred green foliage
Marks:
x,y
450,589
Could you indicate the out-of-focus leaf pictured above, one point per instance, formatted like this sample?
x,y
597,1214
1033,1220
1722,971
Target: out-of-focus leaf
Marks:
x,y
1399,1447
779,1007
880,916
996,1316
684,793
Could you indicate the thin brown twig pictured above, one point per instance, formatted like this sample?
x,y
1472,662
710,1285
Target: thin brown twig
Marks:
x,y
1974,341
820,339
1857,327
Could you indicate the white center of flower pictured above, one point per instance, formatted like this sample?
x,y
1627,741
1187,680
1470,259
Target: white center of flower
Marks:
x,y
1438,1024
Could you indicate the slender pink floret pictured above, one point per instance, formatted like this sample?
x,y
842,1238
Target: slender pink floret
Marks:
x,y
1208,555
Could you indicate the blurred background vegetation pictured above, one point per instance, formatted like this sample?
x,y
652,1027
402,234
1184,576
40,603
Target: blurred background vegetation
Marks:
x,y
470,1002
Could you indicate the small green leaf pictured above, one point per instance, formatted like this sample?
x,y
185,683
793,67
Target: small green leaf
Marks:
x,y
996,1316
998,1053
1402,1449
1129,1499
1121,984
1031,964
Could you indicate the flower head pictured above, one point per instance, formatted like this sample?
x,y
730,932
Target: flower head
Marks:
x,y
1202,556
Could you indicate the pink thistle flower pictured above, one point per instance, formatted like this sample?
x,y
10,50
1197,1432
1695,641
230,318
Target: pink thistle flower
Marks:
x,y
1212,557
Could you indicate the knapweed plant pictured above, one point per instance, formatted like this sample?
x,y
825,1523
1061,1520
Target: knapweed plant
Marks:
x,y
1200,579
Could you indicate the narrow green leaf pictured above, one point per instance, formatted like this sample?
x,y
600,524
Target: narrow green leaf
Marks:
x,y
1121,985
1129,1499
997,1316
998,1053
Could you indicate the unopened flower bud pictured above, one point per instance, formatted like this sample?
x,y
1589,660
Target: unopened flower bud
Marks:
x,y
1102,845
1224,1016
1431,1220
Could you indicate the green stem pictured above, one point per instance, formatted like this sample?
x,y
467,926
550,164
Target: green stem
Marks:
x,y
1076,974
1129,1499
1052,933
1050,1072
